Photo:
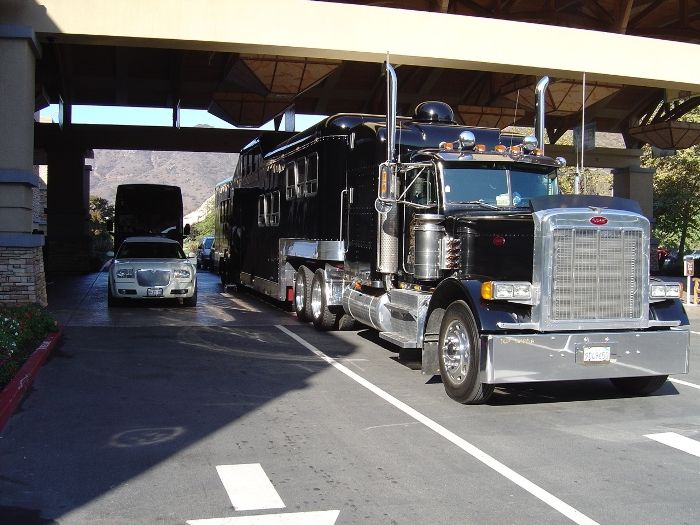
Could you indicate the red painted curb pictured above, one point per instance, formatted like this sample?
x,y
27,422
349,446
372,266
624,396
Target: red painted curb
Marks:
x,y
13,393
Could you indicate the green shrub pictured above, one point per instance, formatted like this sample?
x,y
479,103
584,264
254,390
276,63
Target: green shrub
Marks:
x,y
22,328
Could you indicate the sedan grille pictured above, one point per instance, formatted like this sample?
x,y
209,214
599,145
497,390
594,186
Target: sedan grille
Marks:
x,y
153,277
597,274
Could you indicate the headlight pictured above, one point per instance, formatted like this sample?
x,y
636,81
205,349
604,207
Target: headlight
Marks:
x,y
495,290
665,291
182,273
125,273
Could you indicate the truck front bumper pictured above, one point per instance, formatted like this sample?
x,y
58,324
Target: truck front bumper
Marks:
x,y
560,357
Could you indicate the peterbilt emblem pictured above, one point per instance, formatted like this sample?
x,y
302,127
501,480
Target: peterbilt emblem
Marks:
x,y
598,220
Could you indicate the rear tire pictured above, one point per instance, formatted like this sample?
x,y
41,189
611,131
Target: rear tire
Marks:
x,y
458,356
323,317
638,385
347,322
302,293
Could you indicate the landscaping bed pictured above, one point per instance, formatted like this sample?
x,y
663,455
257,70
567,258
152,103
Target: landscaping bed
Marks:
x,y
28,334
22,330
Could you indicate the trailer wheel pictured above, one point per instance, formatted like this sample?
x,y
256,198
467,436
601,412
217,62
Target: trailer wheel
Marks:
x,y
302,293
459,365
638,385
323,317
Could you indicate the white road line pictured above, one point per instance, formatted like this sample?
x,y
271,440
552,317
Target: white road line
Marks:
x,y
248,487
324,517
677,441
685,383
544,496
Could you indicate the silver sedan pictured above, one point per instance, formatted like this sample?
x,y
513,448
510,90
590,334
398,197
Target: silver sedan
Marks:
x,y
151,268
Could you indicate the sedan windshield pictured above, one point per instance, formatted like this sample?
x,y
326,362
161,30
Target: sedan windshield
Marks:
x,y
496,186
150,250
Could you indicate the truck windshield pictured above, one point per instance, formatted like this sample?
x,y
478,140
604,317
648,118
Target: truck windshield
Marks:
x,y
496,186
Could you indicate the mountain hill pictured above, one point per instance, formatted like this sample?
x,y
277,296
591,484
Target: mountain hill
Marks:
x,y
195,173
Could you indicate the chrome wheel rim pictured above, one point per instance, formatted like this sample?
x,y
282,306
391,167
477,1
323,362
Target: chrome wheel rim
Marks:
x,y
316,293
299,292
456,352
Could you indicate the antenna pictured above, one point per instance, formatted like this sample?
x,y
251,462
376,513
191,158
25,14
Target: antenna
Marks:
x,y
579,169
515,114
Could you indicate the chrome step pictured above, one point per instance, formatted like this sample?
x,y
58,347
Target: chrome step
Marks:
x,y
399,340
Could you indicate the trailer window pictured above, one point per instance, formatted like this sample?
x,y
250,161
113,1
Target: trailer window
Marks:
x,y
291,176
261,210
301,176
269,209
311,184
274,216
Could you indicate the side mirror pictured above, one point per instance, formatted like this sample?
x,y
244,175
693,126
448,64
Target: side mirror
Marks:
x,y
191,255
186,229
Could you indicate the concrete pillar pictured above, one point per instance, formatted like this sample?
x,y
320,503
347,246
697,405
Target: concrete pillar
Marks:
x,y
68,212
22,278
637,184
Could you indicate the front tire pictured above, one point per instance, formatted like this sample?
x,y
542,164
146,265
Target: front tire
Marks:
x,y
638,385
323,317
458,356
111,300
302,293
191,301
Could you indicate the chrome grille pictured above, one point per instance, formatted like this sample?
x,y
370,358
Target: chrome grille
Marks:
x,y
597,274
153,277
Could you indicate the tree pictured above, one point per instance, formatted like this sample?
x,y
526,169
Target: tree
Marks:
x,y
101,216
677,194
101,220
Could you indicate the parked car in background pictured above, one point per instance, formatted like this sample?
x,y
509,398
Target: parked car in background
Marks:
x,y
151,268
204,253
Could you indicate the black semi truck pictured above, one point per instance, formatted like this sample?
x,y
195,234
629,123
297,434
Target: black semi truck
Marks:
x,y
455,241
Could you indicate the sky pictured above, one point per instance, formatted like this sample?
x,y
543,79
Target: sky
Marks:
x,y
120,115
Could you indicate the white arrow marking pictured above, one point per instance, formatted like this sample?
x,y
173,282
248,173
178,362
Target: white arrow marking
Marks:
x,y
248,487
324,517
677,441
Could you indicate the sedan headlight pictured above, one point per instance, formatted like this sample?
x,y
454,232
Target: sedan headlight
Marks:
x,y
125,273
182,273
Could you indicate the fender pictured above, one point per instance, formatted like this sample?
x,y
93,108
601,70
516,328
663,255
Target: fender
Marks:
x,y
670,310
486,313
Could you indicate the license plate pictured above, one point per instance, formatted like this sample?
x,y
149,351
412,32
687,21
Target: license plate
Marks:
x,y
154,292
596,354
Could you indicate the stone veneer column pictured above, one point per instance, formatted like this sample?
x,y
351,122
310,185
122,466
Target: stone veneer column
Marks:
x,y
637,184
22,279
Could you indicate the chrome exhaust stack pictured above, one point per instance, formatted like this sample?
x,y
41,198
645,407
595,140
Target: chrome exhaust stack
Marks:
x,y
540,90
387,218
